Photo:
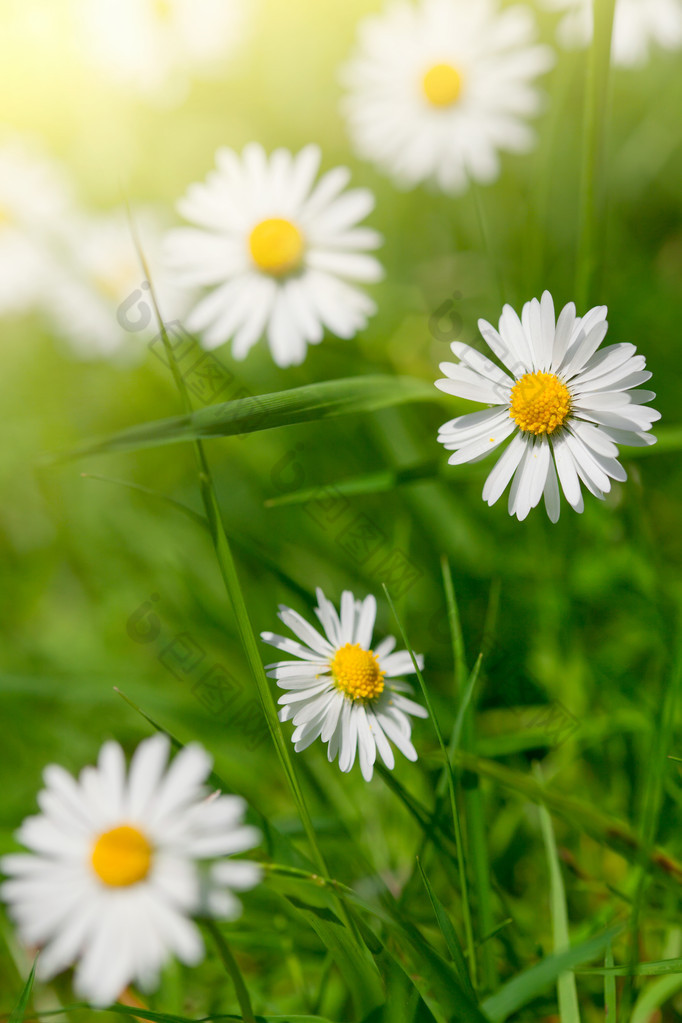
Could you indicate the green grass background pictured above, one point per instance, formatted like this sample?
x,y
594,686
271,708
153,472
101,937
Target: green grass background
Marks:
x,y
587,609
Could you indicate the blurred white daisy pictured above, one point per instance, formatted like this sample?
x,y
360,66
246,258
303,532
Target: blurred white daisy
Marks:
x,y
100,301
340,689
34,197
114,877
156,46
278,251
637,25
567,405
437,89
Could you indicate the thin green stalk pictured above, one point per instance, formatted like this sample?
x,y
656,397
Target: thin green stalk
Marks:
x,y
230,577
466,911
592,191
473,801
230,964
491,253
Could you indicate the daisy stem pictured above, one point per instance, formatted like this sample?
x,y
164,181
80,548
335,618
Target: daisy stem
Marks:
x,y
466,911
230,964
592,192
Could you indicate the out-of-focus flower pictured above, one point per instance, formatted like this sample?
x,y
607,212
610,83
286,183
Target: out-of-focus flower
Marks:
x,y
278,250
437,89
99,301
340,689
116,869
638,25
34,199
157,46
567,404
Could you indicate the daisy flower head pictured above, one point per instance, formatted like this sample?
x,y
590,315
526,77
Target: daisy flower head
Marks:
x,y
437,88
565,403
34,197
342,690
279,250
156,46
637,26
116,867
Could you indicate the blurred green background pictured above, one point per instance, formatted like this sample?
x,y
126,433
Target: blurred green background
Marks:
x,y
587,607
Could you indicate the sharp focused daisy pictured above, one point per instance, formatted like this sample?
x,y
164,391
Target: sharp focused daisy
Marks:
x,y
437,89
34,196
278,251
566,403
156,46
637,25
340,689
115,871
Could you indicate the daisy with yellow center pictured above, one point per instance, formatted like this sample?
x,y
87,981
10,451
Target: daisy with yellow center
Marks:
x,y
437,89
343,690
278,251
565,402
121,861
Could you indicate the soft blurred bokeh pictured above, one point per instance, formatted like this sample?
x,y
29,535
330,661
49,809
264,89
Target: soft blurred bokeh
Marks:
x,y
585,619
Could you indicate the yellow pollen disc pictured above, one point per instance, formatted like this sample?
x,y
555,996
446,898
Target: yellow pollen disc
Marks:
x,y
121,857
276,246
540,403
442,85
357,672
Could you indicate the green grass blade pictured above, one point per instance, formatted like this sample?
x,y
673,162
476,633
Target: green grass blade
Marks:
x,y
19,1011
382,482
610,995
449,934
567,992
461,868
312,403
535,981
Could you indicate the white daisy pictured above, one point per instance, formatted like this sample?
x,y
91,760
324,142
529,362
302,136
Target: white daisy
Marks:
x,y
156,46
113,877
340,689
567,405
277,250
34,197
100,301
637,25
438,88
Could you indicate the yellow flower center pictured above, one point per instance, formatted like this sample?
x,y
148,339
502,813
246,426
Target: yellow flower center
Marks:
x,y
163,9
442,85
121,857
540,403
276,246
357,672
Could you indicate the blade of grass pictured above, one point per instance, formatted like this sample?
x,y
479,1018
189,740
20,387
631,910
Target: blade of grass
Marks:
x,y
610,996
19,1011
567,992
528,985
466,912
230,964
449,933
311,403
473,800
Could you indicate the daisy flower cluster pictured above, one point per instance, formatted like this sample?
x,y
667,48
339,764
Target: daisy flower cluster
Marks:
x,y
121,862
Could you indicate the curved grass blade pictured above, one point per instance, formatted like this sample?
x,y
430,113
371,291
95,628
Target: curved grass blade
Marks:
x,y
19,1011
312,403
449,934
528,985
